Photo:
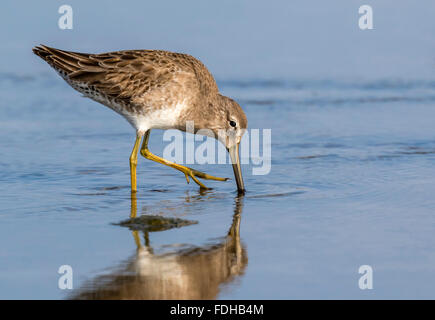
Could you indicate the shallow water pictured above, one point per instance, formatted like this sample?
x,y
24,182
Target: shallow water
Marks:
x,y
351,184
352,180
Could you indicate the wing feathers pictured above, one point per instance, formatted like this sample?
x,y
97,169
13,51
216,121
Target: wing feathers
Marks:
x,y
126,74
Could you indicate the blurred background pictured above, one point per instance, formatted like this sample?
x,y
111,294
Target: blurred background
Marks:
x,y
236,39
353,149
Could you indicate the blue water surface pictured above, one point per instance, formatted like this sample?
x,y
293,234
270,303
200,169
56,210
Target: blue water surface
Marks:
x,y
352,180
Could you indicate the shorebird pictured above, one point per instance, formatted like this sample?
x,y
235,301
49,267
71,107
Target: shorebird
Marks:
x,y
155,89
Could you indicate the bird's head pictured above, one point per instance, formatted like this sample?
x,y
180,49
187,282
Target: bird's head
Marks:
x,y
233,123
221,118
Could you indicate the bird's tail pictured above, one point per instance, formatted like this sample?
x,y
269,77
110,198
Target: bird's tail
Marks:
x,y
41,52
63,61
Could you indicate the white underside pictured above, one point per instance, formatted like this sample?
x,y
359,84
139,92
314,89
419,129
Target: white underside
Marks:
x,y
164,118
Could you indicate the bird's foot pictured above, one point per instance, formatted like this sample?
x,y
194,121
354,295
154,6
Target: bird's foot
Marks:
x,y
189,172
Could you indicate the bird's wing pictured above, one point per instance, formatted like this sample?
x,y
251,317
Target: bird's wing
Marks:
x,y
126,74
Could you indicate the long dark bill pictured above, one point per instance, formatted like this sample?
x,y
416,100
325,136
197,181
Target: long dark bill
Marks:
x,y
234,154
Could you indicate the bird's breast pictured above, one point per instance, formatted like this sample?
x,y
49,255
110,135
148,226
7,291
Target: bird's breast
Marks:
x,y
163,116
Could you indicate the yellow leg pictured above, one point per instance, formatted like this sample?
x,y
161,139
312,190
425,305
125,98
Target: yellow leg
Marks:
x,y
186,170
133,163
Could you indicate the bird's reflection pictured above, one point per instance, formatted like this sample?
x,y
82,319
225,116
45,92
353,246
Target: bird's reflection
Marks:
x,y
195,273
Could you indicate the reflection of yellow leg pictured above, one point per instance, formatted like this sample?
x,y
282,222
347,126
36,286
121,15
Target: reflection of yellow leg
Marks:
x,y
133,163
133,206
186,170
133,214
136,239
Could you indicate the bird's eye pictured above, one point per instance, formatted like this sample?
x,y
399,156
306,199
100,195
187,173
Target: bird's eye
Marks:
x,y
233,123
